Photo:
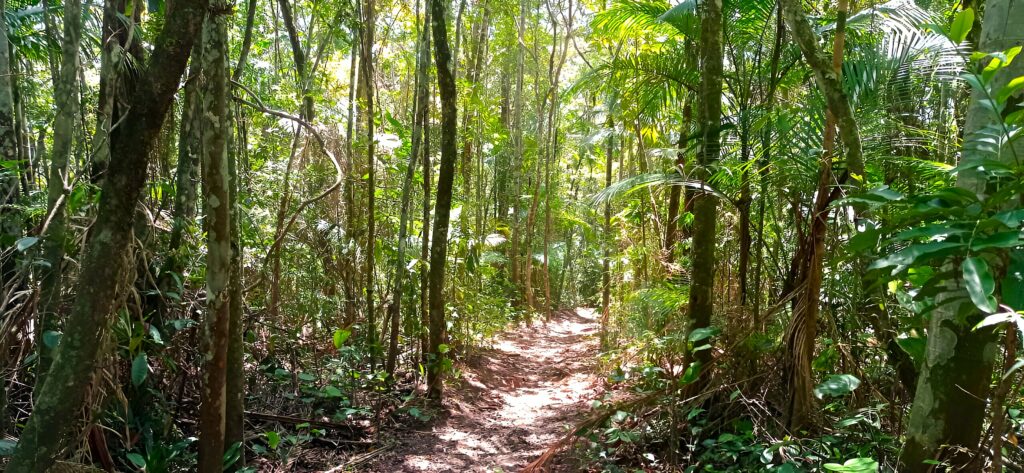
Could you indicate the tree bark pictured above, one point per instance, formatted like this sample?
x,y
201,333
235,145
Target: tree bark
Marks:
x,y
442,206
66,101
366,72
217,200
419,109
705,206
953,387
801,332
106,254
9,191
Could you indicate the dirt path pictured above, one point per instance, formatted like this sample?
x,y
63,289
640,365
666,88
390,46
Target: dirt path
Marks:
x,y
511,403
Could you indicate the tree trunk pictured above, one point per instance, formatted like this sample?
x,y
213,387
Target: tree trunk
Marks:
x,y
953,387
9,219
366,72
705,206
419,109
66,101
217,200
442,207
606,261
234,429
106,254
802,329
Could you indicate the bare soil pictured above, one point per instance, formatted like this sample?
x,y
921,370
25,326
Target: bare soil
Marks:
x,y
511,403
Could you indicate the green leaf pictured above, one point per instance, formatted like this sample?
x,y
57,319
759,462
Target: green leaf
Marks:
x,y
913,346
1008,239
961,26
702,333
854,465
273,439
979,282
140,369
836,385
138,460
331,391
231,455
340,336
1013,87
1013,283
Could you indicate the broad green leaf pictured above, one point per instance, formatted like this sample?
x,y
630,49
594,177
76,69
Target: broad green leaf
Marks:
x,y
140,369
340,336
1013,283
273,439
702,333
979,282
137,460
1008,239
854,465
836,385
1010,89
961,26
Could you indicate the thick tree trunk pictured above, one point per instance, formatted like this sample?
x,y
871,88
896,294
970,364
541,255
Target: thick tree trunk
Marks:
x,y
106,254
66,101
216,195
705,206
442,207
955,381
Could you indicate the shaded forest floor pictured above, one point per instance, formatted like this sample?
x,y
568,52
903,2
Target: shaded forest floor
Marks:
x,y
513,401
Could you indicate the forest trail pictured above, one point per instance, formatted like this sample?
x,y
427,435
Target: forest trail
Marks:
x,y
512,401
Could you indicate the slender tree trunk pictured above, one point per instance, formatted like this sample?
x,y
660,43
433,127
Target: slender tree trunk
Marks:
x,y
674,198
517,147
234,429
801,332
9,224
705,206
217,203
419,108
442,207
66,101
187,173
366,50
606,261
106,254
743,205
948,413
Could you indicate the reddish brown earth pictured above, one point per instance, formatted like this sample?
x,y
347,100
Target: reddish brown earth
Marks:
x,y
512,402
